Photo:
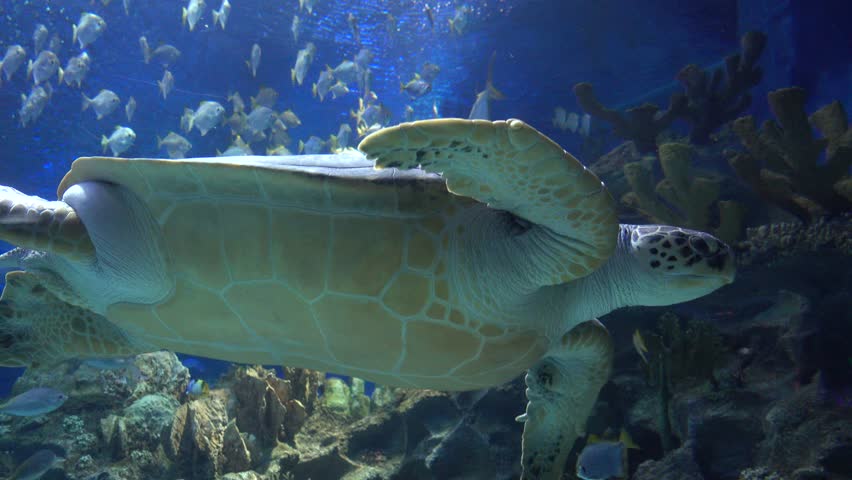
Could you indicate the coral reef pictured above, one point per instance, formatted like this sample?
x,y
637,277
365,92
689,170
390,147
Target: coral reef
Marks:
x,y
769,243
640,124
709,100
782,161
681,198
714,99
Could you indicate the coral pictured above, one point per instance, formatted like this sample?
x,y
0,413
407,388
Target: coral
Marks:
x,y
359,403
769,243
759,473
336,395
680,198
640,124
679,464
141,426
383,397
266,405
195,442
713,99
782,160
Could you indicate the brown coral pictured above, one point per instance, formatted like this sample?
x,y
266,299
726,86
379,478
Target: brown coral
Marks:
x,y
782,159
714,99
640,124
681,198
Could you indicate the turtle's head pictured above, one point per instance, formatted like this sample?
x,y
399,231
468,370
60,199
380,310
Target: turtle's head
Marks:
x,y
679,264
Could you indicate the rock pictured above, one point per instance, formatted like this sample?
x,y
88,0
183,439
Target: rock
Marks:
x,y
237,455
359,403
162,374
383,397
261,399
679,464
802,432
462,453
147,421
196,439
305,386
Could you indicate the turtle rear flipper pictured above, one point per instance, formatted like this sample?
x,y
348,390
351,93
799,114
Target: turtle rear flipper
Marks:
x,y
561,391
511,166
35,223
36,327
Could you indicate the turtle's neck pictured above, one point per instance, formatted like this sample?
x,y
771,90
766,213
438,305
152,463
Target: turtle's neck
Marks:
x,y
616,284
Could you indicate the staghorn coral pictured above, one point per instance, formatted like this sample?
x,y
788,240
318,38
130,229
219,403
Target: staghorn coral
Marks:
x,y
714,99
782,159
640,124
681,199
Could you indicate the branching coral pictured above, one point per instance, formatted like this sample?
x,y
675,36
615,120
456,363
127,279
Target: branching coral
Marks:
x,y
782,159
640,124
680,198
713,99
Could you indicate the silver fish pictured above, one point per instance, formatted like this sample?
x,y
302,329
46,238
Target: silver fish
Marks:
x,y
324,83
166,84
296,28
221,16
206,117
39,37
303,62
45,66
192,13
260,119
482,106
254,61
37,401
313,146
88,29
77,68
32,105
176,145
120,141
338,90
12,60
266,97
104,103
130,108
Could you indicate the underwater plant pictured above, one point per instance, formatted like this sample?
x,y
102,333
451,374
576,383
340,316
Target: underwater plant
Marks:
x,y
782,162
681,198
676,353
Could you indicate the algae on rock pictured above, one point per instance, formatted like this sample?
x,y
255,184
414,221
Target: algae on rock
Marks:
x,y
680,198
782,161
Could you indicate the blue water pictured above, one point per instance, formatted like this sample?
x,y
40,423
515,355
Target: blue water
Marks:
x,y
629,50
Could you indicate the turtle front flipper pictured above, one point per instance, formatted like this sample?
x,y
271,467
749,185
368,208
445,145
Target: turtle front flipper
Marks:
x,y
35,223
561,391
512,166
37,328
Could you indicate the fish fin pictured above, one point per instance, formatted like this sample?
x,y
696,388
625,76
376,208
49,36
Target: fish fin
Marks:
x,y
73,33
183,16
293,75
639,345
104,143
159,141
452,26
86,102
401,87
627,441
592,438
29,69
489,84
301,146
314,90
216,18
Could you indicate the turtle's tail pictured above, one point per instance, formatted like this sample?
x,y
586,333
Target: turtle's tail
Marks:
x,y
35,223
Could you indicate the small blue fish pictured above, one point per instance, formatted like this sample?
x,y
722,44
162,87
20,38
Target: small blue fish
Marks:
x,y
37,465
36,401
602,460
197,388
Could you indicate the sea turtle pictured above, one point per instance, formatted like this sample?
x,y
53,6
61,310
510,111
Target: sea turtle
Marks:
x,y
451,254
